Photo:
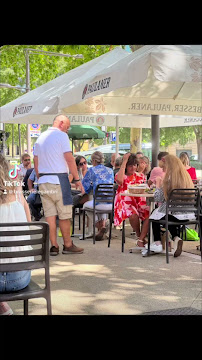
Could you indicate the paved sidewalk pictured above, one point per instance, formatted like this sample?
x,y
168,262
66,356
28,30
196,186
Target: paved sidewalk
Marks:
x,y
105,281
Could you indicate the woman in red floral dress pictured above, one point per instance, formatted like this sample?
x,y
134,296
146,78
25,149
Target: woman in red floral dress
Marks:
x,y
134,208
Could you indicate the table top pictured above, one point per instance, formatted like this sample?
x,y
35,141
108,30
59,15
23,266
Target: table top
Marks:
x,y
126,193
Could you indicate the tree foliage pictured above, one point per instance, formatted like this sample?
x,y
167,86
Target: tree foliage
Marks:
x,y
44,68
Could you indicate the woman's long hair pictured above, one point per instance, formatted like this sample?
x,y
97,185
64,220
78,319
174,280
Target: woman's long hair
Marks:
x,y
184,159
176,176
6,185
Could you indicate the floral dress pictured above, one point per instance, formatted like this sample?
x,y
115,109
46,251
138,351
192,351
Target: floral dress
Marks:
x,y
126,206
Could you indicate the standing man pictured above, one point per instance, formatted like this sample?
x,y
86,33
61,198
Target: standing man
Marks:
x,y
53,160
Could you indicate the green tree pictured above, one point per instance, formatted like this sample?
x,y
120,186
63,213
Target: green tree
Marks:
x,y
43,68
183,134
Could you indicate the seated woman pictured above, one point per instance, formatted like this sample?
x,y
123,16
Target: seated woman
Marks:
x,y
144,166
82,167
97,174
176,177
13,208
158,170
129,207
185,161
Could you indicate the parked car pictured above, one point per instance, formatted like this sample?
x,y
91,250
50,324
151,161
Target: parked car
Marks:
x,y
193,157
107,151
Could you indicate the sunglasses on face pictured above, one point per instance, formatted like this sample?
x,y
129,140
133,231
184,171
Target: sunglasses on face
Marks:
x,y
26,160
82,163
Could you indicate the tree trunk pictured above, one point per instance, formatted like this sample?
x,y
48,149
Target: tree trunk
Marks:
x,y
199,148
136,139
198,133
135,47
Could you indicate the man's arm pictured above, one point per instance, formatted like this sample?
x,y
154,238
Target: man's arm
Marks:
x,y
73,169
71,164
30,184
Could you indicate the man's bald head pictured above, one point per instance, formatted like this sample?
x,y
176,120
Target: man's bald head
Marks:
x,y
61,122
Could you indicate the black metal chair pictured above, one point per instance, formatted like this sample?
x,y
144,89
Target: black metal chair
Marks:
x,y
104,193
80,207
39,241
183,201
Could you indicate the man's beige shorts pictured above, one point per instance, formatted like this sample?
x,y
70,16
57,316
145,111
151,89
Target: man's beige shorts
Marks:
x,y
51,197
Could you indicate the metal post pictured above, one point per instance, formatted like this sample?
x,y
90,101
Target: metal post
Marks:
x,y
4,141
117,136
155,132
19,136
12,141
28,89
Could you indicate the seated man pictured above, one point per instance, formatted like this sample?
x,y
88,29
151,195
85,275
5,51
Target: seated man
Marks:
x,y
111,164
24,166
117,164
33,188
25,182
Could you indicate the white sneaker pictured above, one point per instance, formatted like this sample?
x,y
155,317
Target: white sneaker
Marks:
x,y
155,248
177,246
88,232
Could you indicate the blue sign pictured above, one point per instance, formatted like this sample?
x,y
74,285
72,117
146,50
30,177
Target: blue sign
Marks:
x,y
113,136
35,126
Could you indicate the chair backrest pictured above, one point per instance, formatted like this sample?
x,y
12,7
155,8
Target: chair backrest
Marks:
x,y
184,200
22,234
104,193
195,182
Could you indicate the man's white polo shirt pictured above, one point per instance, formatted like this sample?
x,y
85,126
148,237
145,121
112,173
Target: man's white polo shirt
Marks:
x,y
50,148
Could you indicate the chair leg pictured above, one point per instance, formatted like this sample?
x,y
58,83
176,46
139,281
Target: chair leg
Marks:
x,y
79,218
84,213
123,235
200,235
94,228
73,219
26,307
185,233
49,309
167,254
149,239
110,230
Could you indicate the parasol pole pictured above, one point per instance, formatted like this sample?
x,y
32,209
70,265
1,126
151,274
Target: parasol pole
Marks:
x,y
155,134
27,90
117,136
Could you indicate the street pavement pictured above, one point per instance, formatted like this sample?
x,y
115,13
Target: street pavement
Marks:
x,y
105,281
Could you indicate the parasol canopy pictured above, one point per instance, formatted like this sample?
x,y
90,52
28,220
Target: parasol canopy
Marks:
x,y
155,79
81,132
